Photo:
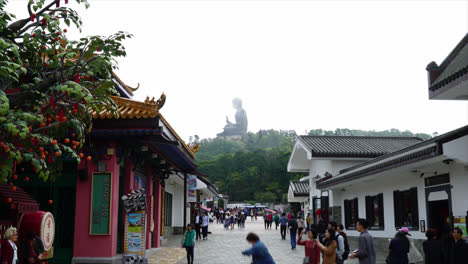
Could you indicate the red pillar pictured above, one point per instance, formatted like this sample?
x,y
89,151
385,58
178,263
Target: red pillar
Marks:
x,y
157,214
149,209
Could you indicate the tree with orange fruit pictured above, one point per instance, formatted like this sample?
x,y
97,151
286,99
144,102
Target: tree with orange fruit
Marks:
x,y
48,86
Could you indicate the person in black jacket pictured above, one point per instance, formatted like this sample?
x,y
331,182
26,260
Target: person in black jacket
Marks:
x,y
432,248
32,248
460,248
292,225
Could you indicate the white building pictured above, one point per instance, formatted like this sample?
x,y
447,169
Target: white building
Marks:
x,y
323,156
417,187
299,192
421,186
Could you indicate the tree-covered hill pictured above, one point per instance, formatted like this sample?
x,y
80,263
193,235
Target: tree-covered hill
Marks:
x,y
255,168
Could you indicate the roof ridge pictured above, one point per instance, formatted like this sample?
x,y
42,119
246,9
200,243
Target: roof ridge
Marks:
x,y
381,137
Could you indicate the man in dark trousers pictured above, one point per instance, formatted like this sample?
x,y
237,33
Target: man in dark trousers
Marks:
x,y
198,220
292,225
366,251
283,225
460,249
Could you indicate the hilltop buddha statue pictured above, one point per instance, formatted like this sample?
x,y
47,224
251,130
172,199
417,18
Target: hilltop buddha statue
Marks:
x,y
235,131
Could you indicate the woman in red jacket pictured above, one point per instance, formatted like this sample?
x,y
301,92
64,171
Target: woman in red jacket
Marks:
x,y
9,249
312,250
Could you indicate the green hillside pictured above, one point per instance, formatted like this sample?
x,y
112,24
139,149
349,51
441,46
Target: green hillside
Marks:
x,y
254,168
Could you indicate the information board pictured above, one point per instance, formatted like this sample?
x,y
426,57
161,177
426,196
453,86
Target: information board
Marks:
x,y
101,193
135,233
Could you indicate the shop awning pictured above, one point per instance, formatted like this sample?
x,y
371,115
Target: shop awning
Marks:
x,y
21,200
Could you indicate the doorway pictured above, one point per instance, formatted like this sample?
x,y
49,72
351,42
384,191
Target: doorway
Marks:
x,y
438,211
438,206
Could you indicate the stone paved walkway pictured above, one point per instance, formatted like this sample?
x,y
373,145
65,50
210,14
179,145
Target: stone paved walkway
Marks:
x,y
225,246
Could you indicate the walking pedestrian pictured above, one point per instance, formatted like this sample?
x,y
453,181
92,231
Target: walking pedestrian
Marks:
x,y
258,251
283,225
460,248
188,242
345,255
276,220
312,250
232,221
239,221
292,225
265,220
398,249
432,248
270,220
322,227
300,223
243,217
226,222
32,249
205,222
9,250
251,215
340,242
413,255
329,248
366,251
198,225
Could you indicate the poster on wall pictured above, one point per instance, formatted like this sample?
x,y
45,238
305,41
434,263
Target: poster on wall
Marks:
x,y
460,222
134,223
209,199
139,182
135,233
134,242
192,188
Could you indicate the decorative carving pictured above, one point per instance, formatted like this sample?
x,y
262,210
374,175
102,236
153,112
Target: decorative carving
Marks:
x,y
159,103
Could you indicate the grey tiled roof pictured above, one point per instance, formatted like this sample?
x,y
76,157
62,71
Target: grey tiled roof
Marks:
x,y
300,188
452,68
355,146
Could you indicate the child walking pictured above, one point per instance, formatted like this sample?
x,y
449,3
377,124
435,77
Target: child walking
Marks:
x,y
188,242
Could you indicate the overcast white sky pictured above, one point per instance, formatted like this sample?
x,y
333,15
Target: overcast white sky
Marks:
x,y
296,65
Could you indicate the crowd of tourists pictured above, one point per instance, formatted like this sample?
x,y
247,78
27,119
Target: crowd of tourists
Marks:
x,y
329,242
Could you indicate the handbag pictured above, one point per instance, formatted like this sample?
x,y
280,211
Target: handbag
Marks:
x,y
306,260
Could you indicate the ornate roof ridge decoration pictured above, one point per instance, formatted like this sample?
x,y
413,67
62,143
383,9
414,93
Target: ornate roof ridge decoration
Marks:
x,y
129,109
129,89
194,148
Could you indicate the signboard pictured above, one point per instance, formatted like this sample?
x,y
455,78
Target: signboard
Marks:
x,y
134,201
135,233
437,180
134,205
48,231
101,193
192,189
460,222
27,208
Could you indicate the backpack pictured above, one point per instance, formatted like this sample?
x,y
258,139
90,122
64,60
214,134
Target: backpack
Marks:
x,y
346,246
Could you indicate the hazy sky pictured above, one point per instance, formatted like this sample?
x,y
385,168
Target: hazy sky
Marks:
x,y
297,65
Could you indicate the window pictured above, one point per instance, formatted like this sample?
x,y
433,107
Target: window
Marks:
x,y
406,208
351,213
374,211
168,209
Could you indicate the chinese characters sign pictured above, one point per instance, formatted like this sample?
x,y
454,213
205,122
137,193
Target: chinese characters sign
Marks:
x,y
47,231
101,193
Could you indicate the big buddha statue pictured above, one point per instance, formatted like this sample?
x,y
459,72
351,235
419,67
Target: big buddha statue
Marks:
x,y
235,131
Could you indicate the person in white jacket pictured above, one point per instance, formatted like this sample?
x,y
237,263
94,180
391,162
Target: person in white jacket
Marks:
x,y
413,255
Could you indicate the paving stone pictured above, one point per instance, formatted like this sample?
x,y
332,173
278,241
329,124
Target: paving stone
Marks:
x,y
225,247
